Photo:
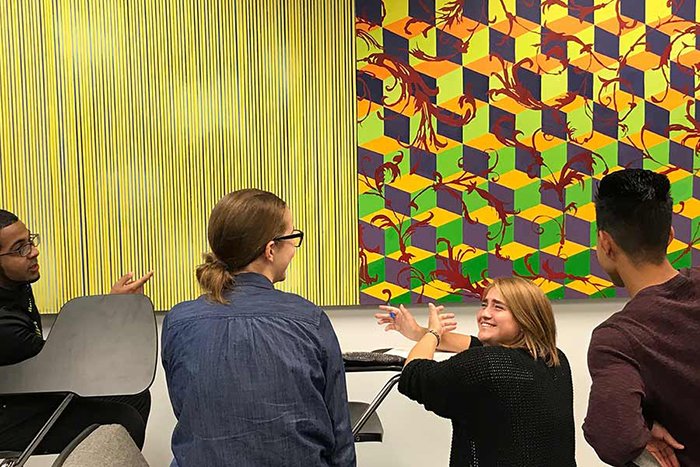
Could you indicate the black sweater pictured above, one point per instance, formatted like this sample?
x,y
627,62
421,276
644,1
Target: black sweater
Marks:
x,y
507,409
20,339
20,325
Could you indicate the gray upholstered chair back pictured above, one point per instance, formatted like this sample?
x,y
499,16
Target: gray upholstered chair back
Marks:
x,y
104,446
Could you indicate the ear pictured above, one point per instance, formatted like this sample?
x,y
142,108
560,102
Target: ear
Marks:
x,y
270,251
671,236
606,243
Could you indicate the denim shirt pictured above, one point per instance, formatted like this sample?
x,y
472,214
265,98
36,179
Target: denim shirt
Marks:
x,y
257,382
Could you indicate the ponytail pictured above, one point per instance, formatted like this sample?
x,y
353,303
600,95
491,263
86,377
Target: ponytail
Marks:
x,y
214,278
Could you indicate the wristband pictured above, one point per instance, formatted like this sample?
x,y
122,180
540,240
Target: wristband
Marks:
x,y
437,336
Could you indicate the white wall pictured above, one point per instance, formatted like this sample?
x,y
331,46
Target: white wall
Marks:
x,y
413,437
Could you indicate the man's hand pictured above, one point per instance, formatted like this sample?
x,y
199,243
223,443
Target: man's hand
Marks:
x,y
662,446
126,284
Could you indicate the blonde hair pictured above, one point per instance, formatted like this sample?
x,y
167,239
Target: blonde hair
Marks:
x,y
240,226
533,313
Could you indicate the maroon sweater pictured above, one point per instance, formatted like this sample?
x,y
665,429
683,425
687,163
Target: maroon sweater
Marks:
x,y
645,366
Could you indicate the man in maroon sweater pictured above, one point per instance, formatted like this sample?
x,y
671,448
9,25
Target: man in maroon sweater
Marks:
x,y
644,360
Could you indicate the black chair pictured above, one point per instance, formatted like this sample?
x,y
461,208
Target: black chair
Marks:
x,y
366,425
103,345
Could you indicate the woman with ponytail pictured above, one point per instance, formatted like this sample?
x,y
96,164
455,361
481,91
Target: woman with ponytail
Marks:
x,y
255,375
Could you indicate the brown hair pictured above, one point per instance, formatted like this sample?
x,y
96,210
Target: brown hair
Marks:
x,y
533,313
240,226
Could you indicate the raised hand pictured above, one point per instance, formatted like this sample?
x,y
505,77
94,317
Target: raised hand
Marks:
x,y
126,284
439,322
401,320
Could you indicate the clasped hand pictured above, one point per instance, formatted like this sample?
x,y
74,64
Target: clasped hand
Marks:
x,y
662,446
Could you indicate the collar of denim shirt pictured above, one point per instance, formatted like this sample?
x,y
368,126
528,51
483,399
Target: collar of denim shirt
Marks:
x,y
253,279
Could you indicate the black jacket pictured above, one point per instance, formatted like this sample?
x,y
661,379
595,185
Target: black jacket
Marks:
x,y
20,325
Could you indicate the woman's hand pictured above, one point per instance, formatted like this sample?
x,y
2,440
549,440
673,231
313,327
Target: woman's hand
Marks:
x,y
440,322
401,320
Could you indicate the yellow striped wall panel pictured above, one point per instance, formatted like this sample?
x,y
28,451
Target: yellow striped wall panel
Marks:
x,y
123,122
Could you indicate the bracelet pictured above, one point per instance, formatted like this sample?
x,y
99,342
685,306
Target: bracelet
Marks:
x,y
437,336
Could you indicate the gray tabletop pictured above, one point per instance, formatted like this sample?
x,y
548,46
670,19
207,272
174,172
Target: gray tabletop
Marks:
x,y
98,346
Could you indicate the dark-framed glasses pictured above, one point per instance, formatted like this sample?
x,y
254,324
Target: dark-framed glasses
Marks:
x,y
296,235
26,248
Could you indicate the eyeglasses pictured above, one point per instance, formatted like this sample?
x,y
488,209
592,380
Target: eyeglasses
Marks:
x,y
26,248
297,235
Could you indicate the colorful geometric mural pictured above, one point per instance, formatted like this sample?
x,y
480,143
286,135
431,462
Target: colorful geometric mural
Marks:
x,y
484,126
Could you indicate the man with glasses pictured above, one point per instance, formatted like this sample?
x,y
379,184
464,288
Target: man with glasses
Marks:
x,y
21,337
20,323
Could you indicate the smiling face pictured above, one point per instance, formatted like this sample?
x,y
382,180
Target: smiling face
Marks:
x,y
497,325
16,269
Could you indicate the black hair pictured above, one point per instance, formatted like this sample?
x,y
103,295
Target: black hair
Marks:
x,y
7,218
635,207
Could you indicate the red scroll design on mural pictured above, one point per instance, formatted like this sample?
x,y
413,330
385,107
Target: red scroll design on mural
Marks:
x,y
692,131
452,274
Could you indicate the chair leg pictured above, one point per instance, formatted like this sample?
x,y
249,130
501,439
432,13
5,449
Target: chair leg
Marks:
x,y
45,429
375,404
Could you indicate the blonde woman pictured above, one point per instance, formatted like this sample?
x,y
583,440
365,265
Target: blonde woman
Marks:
x,y
508,391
